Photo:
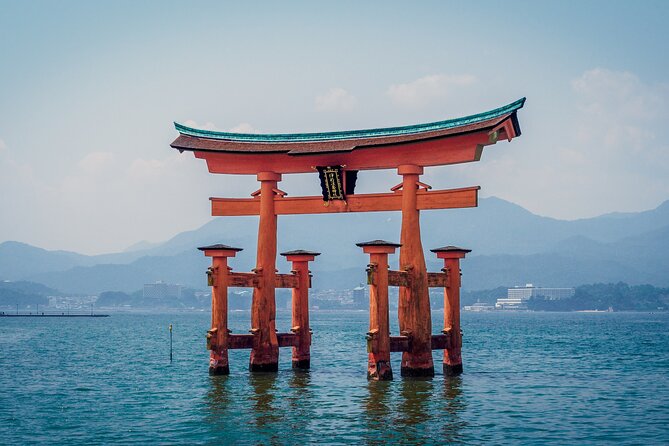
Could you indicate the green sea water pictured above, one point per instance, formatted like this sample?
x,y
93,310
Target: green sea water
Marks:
x,y
530,378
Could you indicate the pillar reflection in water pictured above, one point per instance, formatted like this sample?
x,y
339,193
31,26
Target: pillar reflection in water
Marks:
x,y
300,394
263,399
413,417
377,412
415,411
454,405
218,397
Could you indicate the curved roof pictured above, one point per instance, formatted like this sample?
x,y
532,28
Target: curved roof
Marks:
x,y
439,143
352,134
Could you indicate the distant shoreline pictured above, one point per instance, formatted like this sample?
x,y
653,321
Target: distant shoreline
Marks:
x,y
54,315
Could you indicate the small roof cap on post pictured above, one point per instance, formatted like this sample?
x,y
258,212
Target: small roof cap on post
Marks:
x,y
378,243
378,247
300,255
219,250
300,252
450,252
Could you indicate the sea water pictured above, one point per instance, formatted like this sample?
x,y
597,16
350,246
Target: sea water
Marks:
x,y
529,378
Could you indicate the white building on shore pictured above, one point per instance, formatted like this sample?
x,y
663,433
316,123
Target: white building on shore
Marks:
x,y
517,297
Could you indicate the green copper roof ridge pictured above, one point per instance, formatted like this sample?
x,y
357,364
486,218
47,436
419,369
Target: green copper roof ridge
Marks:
x,y
351,134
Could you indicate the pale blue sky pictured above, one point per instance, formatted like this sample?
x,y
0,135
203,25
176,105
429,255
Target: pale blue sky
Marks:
x,y
89,90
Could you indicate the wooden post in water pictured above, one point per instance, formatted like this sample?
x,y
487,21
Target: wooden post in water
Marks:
x,y
414,299
217,336
453,353
300,306
378,337
265,352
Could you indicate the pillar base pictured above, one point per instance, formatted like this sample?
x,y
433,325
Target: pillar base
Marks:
x,y
302,364
271,367
452,369
417,372
219,370
380,371
417,364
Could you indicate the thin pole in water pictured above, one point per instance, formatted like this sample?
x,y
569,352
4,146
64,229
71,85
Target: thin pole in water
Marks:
x,y
170,342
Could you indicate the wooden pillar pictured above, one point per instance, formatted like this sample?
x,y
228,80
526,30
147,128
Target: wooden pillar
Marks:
x,y
378,337
300,306
217,336
265,352
453,353
414,300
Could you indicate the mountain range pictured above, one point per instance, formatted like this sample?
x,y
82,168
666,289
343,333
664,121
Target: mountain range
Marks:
x,y
511,246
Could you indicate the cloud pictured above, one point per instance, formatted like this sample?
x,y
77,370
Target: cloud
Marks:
x,y
603,150
105,202
206,126
422,91
244,127
96,162
620,116
336,99
603,92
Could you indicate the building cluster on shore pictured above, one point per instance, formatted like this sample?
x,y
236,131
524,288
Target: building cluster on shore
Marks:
x,y
517,298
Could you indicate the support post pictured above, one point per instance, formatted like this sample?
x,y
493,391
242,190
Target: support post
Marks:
x,y
453,353
300,306
414,300
265,352
378,337
217,336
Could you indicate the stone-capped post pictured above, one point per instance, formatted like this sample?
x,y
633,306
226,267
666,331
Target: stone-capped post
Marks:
x,y
378,337
453,353
217,336
300,306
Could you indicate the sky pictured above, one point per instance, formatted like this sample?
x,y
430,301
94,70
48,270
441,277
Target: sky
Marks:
x,y
89,92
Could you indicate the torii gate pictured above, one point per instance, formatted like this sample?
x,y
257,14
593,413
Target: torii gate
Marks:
x,y
339,156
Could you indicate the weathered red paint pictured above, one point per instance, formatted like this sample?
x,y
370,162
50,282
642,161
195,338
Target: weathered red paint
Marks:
x,y
265,352
378,365
300,309
414,301
430,152
218,334
453,352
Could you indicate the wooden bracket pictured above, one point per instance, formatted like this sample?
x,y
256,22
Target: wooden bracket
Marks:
x,y
423,185
371,273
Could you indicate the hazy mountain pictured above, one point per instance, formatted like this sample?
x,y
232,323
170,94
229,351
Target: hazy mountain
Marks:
x,y
19,260
510,246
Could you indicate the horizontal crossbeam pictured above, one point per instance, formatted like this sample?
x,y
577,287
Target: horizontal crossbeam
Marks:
x,y
253,280
403,343
425,200
402,278
400,343
437,280
244,341
398,278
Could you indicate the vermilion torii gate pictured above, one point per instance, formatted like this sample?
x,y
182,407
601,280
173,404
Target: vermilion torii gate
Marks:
x,y
338,156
